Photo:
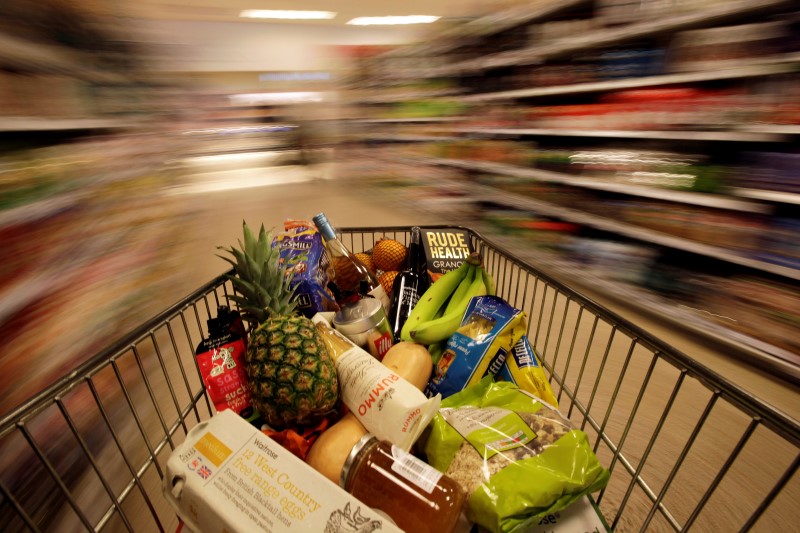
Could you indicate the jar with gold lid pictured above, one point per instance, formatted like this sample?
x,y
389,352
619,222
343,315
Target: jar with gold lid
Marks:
x,y
416,496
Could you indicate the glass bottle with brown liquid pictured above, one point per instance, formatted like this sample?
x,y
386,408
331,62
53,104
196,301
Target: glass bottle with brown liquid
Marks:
x,y
416,496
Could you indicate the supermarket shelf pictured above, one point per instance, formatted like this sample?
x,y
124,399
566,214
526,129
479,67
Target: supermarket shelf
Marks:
x,y
408,138
773,357
401,120
777,129
22,54
493,194
634,232
770,196
761,67
37,210
515,16
486,25
739,135
606,37
404,97
22,124
685,197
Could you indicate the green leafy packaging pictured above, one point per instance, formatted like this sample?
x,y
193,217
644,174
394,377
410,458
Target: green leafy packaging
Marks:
x,y
517,458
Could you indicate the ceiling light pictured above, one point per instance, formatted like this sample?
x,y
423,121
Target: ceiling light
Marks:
x,y
286,14
406,19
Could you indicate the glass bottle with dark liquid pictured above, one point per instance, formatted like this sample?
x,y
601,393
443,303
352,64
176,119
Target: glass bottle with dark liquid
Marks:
x,y
409,285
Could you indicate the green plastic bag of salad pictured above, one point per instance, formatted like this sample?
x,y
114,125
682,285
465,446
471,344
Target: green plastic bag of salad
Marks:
x,y
517,458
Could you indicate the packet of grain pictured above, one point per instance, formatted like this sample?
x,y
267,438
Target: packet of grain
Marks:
x,y
517,458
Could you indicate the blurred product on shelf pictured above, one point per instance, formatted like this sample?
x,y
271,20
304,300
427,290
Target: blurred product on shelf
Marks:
x,y
728,45
781,244
425,108
625,262
628,63
612,12
83,229
669,170
772,171
496,151
642,109
537,231
758,307
547,32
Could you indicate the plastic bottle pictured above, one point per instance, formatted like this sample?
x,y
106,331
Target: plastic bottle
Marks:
x,y
409,285
349,272
416,496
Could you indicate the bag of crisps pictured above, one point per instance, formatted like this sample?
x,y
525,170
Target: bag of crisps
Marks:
x,y
306,258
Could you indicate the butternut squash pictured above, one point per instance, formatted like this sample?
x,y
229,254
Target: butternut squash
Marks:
x,y
411,361
328,454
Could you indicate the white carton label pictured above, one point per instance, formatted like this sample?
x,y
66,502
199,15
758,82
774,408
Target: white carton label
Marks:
x,y
390,407
229,477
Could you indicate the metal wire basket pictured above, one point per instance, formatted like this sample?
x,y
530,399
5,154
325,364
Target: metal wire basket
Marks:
x,y
687,449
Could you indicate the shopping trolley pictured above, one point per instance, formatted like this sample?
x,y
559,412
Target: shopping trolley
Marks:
x,y
686,448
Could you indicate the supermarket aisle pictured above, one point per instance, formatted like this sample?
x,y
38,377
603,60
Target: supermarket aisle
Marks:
x,y
272,195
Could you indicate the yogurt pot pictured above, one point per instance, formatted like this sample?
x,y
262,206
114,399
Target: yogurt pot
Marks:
x,y
364,322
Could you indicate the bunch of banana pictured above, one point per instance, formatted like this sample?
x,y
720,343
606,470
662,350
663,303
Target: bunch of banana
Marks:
x,y
439,311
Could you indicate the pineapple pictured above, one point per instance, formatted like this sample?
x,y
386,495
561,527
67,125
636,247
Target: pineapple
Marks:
x,y
291,376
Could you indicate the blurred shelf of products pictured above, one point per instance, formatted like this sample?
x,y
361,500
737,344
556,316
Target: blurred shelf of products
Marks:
x,y
87,151
645,151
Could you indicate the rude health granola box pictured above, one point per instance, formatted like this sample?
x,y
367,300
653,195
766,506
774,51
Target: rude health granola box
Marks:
x,y
445,249
229,477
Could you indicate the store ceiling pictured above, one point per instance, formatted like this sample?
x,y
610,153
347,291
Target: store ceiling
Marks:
x,y
228,10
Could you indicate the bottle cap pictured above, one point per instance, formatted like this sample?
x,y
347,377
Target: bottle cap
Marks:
x,y
324,226
224,313
217,326
355,452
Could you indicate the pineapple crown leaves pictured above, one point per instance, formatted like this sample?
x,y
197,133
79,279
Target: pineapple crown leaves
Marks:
x,y
260,277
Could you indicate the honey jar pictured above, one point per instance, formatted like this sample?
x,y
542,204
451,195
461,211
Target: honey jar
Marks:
x,y
416,496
